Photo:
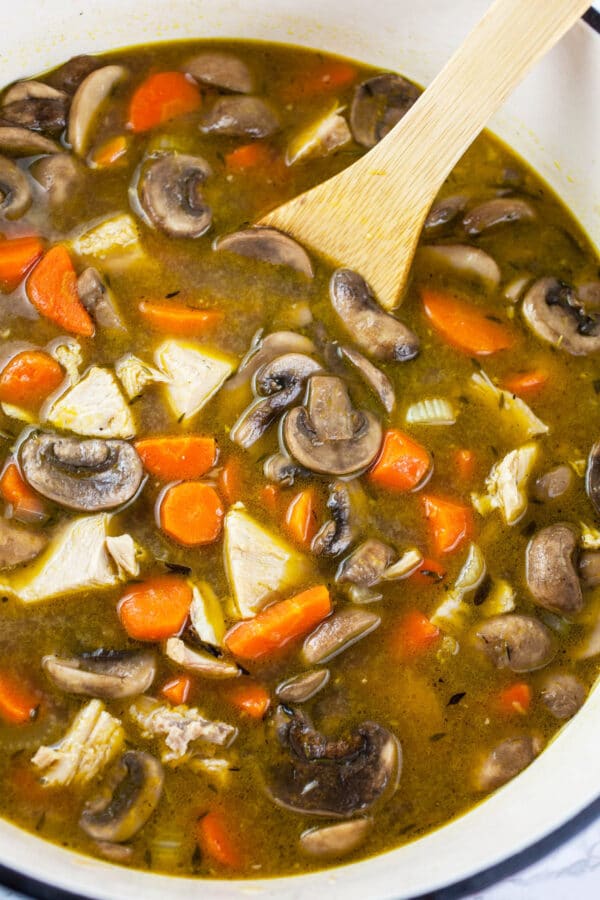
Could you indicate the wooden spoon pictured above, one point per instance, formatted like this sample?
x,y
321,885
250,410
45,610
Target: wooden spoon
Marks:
x,y
369,217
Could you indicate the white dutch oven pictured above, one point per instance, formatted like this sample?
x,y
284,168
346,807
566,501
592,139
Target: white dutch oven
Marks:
x,y
553,120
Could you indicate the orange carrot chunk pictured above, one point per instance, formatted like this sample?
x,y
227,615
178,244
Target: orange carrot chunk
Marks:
x,y
301,517
110,152
279,624
249,156
172,458
177,318
156,608
450,523
324,78
231,484
415,634
216,841
516,698
26,504
526,382
161,97
29,378
19,702
465,326
191,513
52,288
17,256
430,571
249,697
177,689
464,463
270,496
402,464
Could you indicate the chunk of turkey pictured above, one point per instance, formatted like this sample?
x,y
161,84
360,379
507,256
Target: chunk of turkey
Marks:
x,y
194,374
94,407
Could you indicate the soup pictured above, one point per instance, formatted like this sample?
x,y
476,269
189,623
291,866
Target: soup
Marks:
x,y
286,580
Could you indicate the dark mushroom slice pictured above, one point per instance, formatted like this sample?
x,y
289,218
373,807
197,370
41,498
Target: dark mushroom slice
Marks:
x,y
592,476
95,295
367,564
72,73
327,436
563,695
517,642
338,632
112,674
378,104
264,349
18,141
302,687
87,475
59,175
551,570
588,567
18,545
221,70
374,377
15,192
445,211
338,533
335,778
553,312
553,484
130,795
35,105
248,117
171,196
281,469
89,97
333,841
268,245
505,761
376,332
498,211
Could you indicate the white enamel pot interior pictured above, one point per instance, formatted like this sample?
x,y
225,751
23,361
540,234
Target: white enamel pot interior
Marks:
x,y
553,120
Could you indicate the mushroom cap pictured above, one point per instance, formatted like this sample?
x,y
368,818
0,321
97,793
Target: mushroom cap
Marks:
x,y
553,312
562,695
551,572
90,475
15,192
264,349
241,117
58,175
89,97
171,198
302,687
497,211
18,544
333,841
35,105
592,476
337,533
267,245
366,565
516,642
338,632
221,70
70,75
378,104
109,675
18,141
374,377
505,761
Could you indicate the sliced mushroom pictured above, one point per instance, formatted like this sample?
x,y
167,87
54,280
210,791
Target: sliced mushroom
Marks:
x,y
466,261
327,436
334,841
592,476
241,117
87,475
70,75
35,105
589,294
505,761
171,197
553,312
367,564
553,484
517,642
17,141
97,298
335,778
263,350
267,245
338,632
588,567
18,545
374,377
445,211
336,535
498,211
563,695
376,332
551,572
130,795
302,687
15,193
58,175
221,70
89,97
379,103
200,661
112,674
281,469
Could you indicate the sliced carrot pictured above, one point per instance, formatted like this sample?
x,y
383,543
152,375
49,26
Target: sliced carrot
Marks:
x,y
526,382
270,496
52,288
248,697
301,517
177,318
324,78
402,464
191,513
26,504
415,634
464,463
516,698
279,624
19,702
215,838
29,378
110,152
177,689
430,571
257,155
162,96
450,523
17,256
231,483
155,609
464,325
171,458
